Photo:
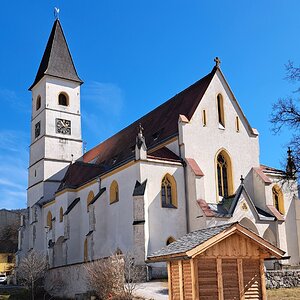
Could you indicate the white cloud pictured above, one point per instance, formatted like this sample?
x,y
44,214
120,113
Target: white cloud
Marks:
x,y
107,97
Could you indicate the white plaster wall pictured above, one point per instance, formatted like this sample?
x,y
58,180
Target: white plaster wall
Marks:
x,y
174,147
203,143
163,222
114,227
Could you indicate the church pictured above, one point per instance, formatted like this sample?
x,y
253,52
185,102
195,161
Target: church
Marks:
x,y
189,164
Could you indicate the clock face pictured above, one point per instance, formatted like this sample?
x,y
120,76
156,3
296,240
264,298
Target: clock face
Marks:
x,y
37,129
63,126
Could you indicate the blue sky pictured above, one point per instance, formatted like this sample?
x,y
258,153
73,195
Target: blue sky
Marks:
x,y
133,55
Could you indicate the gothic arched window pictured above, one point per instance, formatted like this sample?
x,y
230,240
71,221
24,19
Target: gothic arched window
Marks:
x,y
61,214
224,175
49,220
220,104
38,103
168,192
278,198
89,199
63,99
170,240
114,192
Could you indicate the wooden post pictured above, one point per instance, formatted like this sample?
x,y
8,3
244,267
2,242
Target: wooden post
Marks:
x,y
241,278
170,281
194,275
181,280
220,279
263,280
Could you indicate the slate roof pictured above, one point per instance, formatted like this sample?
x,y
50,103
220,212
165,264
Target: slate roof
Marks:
x,y
226,207
139,189
190,241
72,205
164,154
57,60
160,125
97,196
79,173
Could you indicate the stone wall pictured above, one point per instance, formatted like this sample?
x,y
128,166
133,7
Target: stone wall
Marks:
x,y
282,279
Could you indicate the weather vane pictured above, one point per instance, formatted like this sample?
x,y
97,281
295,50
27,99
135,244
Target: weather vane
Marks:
x,y
56,13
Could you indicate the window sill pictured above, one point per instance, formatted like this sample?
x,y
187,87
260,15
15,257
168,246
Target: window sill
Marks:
x,y
221,126
168,206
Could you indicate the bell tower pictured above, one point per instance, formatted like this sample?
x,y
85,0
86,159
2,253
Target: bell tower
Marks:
x,y
55,120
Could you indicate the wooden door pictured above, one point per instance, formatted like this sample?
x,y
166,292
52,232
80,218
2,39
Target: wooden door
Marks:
x,y
207,278
230,279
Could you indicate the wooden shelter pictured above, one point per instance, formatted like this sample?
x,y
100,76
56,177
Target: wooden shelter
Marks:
x,y
223,262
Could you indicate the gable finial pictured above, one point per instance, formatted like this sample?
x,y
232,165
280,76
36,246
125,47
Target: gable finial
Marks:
x,y
56,13
140,129
242,179
217,61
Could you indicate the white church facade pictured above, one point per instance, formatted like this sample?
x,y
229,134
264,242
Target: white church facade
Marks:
x,y
191,163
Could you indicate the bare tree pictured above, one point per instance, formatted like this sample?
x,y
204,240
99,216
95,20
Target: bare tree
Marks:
x,y
286,113
114,277
32,268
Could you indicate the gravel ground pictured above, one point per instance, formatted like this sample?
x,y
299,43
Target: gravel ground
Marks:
x,y
153,290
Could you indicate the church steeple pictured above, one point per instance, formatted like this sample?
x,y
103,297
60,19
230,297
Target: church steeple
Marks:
x,y
57,60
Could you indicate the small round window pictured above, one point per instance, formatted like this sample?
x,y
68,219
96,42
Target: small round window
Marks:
x,y
38,102
63,99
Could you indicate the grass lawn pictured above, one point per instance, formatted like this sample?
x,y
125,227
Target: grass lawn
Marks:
x,y
288,294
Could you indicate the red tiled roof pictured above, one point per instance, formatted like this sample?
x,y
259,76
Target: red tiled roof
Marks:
x,y
194,166
159,125
164,154
205,208
270,169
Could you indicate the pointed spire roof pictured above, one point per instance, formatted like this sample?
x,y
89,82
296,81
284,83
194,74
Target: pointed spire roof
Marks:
x,y
57,60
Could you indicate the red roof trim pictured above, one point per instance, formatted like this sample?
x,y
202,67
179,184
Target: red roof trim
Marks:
x,y
276,213
262,175
194,166
205,208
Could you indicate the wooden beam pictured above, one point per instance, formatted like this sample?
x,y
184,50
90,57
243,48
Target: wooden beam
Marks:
x,y
170,281
194,275
241,278
220,279
181,280
262,280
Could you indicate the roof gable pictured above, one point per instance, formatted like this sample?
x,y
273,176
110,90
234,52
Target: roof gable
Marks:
x,y
160,125
57,60
195,243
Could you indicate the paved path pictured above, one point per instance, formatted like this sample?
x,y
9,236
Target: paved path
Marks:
x,y
156,290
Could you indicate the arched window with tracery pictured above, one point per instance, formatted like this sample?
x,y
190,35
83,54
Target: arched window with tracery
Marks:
x,y
63,99
49,220
168,192
224,175
114,192
278,198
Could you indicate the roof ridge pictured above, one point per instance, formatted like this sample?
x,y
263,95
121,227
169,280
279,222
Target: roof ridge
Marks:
x,y
152,112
